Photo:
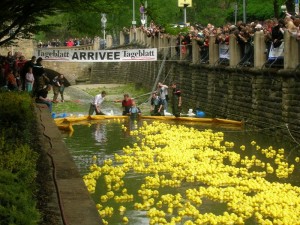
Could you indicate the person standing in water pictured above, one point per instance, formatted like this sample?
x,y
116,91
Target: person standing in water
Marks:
x,y
134,111
126,104
176,100
163,94
96,103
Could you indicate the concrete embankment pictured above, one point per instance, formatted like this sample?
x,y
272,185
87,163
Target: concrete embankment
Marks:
x,y
70,201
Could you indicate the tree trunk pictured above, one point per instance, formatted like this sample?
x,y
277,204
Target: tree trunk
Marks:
x,y
290,6
276,9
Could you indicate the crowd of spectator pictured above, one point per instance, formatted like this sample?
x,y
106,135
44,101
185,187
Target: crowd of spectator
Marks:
x,y
71,42
19,74
273,30
11,67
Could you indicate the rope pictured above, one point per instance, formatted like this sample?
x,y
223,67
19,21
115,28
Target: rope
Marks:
x,y
287,127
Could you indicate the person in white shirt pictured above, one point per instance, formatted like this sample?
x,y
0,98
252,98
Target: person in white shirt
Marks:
x,y
95,104
29,80
163,94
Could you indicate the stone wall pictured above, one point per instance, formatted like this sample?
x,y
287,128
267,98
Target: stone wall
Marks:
x,y
71,70
26,47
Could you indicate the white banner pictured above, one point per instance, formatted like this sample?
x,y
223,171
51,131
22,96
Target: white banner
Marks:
x,y
124,55
224,51
276,52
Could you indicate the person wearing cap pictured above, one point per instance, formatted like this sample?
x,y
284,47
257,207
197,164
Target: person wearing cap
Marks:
x,y
176,100
156,105
96,103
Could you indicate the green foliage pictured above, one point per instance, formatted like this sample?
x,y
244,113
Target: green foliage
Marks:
x,y
17,160
70,106
170,29
17,114
16,203
80,18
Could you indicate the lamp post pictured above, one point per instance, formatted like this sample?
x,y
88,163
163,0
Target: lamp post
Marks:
x,y
184,9
244,11
133,19
146,5
133,14
103,21
235,12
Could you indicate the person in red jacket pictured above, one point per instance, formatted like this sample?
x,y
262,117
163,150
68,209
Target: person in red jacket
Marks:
x,y
126,104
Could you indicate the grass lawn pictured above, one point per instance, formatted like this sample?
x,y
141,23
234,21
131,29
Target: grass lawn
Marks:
x,y
114,92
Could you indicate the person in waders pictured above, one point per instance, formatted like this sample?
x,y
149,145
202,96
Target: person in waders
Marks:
x,y
134,111
176,100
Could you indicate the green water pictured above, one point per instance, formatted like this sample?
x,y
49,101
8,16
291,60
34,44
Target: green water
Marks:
x,y
106,138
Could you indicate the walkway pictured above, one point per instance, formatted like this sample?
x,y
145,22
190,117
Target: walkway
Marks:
x,y
70,203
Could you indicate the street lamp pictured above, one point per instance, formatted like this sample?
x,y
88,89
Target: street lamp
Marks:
x,y
184,4
244,11
133,19
133,14
103,21
184,7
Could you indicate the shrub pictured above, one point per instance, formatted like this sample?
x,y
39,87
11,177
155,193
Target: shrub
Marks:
x,y
16,203
17,160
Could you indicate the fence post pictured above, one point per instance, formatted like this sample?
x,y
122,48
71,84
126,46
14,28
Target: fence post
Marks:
x,y
122,38
234,51
291,51
172,45
213,50
96,45
132,35
195,52
109,41
260,56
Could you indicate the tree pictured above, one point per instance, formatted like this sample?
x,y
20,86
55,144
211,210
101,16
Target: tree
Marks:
x,y
21,18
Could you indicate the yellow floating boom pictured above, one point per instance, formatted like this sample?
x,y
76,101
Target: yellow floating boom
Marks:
x,y
66,123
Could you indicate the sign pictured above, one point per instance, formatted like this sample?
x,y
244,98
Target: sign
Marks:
x,y
103,20
124,55
224,51
276,52
181,3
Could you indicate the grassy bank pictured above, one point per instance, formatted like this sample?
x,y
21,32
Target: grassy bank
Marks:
x,y
114,92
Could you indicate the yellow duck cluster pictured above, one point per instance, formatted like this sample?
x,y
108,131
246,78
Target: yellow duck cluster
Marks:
x,y
198,167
